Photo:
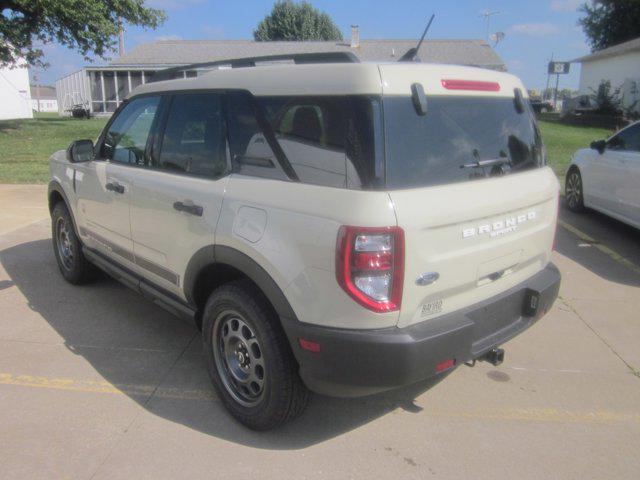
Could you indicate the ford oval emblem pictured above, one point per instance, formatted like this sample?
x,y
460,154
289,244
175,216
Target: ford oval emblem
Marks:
x,y
427,278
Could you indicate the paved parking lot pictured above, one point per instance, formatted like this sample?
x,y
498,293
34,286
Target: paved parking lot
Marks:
x,y
96,382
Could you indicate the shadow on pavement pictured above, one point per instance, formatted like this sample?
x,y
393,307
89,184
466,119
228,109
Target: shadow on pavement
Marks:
x,y
130,341
606,232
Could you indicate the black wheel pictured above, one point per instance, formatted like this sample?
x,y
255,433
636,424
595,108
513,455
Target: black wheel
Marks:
x,y
75,268
573,191
248,358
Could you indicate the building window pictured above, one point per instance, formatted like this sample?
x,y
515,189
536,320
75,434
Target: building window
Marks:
x,y
136,79
110,91
123,85
95,80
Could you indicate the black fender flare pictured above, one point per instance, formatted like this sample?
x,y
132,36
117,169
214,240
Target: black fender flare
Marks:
x,y
223,255
55,186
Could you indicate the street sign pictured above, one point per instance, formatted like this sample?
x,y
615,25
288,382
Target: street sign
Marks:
x,y
558,68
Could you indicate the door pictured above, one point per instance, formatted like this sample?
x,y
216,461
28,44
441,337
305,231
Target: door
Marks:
x,y
625,148
603,183
105,184
177,200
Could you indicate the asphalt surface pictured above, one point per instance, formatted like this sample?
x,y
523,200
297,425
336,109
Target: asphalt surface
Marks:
x,y
97,383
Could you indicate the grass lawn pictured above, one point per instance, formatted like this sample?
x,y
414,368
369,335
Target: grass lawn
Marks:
x,y
25,145
562,141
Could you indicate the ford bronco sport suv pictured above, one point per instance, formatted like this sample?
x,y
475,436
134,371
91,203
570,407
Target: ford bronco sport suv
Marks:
x,y
343,228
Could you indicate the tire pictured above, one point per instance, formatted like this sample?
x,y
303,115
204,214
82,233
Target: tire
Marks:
x,y
249,359
73,265
574,191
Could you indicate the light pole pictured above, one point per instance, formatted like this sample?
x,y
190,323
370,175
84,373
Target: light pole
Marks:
x,y
36,79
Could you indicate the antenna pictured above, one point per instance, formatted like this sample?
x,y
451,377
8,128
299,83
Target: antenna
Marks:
x,y
411,54
497,37
487,18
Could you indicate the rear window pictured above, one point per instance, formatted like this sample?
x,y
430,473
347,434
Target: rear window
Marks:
x,y
456,134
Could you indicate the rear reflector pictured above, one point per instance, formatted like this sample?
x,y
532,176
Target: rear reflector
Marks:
x,y
471,85
309,345
445,365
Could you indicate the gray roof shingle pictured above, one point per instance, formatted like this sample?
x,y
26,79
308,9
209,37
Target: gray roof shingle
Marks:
x,y
621,48
182,52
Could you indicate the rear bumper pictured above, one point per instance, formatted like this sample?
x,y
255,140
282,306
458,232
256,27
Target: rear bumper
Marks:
x,y
363,362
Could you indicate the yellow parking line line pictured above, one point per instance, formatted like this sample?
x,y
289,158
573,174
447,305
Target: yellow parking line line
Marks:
x,y
615,256
103,387
530,414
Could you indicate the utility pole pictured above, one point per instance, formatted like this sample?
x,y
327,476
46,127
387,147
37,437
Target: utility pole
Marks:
x,y
487,19
121,37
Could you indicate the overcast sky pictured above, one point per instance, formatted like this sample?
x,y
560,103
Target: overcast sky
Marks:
x,y
534,29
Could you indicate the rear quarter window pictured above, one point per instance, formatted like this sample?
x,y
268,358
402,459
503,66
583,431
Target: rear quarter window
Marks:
x,y
330,140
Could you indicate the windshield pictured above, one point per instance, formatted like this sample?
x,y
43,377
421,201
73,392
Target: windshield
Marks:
x,y
459,139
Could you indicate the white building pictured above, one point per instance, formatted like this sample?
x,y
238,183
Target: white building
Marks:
x,y
620,65
43,99
15,98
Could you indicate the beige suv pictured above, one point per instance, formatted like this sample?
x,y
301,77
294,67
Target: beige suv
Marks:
x,y
345,228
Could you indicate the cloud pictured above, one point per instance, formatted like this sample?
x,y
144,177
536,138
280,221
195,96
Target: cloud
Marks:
x,y
565,5
534,29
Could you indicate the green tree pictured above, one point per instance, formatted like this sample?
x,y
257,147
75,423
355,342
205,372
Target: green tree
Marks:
x,y
609,22
296,21
89,26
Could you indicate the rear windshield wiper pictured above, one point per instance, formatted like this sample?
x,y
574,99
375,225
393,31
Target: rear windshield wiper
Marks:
x,y
489,162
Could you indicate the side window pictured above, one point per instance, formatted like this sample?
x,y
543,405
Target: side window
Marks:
x,y
250,150
194,136
627,140
126,139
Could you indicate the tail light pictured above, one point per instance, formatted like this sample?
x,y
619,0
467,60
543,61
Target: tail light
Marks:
x,y
370,266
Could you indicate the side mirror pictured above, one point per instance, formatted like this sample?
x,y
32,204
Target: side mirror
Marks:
x,y
80,151
599,145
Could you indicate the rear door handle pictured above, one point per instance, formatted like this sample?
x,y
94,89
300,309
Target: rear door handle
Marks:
x,y
115,187
191,209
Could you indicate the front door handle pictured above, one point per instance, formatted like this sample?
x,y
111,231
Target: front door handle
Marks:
x,y
191,209
114,187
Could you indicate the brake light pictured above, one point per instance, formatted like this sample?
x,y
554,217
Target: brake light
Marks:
x,y
370,266
471,85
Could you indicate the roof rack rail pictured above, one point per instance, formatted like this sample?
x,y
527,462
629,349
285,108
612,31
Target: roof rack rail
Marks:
x,y
297,58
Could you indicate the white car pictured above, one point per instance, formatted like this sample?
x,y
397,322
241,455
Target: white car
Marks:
x,y
342,228
606,177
